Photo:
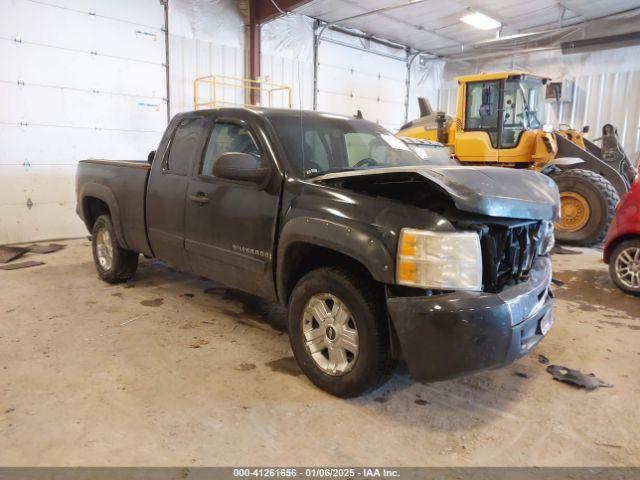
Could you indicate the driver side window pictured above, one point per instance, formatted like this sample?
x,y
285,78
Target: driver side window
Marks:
x,y
224,138
482,109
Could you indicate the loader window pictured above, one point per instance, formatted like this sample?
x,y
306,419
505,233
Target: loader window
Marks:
x,y
482,109
523,109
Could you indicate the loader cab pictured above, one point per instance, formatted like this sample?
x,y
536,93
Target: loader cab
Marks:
x,y
497,111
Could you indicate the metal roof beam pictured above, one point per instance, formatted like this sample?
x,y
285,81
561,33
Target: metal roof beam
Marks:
x,y
267,10
383,13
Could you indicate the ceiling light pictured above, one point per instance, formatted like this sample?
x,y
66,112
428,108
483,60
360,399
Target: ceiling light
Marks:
x,y
481,21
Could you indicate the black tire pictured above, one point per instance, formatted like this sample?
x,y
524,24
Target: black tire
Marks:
x,y
124,263
627,245
374,363
602,199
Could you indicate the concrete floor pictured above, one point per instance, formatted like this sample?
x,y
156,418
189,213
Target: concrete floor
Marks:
x,y
172,370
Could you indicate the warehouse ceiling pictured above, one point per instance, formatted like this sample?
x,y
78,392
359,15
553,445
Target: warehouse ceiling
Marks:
x,y
434,26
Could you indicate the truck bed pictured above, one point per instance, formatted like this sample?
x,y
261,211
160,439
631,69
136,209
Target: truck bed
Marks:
x,y
122,184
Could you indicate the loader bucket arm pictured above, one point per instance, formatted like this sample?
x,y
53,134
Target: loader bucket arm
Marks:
x,y
566,148
592,148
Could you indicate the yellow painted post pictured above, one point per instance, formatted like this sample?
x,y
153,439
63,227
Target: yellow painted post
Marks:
x,y
195,94
213,92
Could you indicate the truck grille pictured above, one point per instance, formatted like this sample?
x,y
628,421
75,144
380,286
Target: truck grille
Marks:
x,y
508,251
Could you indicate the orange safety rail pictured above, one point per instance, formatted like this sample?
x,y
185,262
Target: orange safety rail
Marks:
x,y
216,83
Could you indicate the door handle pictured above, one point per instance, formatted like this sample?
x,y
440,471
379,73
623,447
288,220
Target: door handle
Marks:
x,y
200,198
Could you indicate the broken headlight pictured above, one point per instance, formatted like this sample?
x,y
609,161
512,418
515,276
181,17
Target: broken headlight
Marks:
x,y
548,240
439,260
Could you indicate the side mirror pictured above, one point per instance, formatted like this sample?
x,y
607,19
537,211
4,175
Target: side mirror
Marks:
x,y
585,129
240,166
151,156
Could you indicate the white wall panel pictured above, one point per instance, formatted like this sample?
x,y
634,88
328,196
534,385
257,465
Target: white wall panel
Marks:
x,y
206,38
56,68
297,74
426,80
604,98
59,145
287,59
350,79
40,23
191,58
79,79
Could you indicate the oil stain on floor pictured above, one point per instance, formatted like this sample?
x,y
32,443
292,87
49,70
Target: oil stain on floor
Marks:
x,y
244,367
156,302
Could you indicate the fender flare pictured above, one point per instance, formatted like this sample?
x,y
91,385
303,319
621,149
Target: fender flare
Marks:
x,y
348,240
104,193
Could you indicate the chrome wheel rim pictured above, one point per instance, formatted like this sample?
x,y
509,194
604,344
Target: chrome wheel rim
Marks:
x,y
104,248
330,334
628,267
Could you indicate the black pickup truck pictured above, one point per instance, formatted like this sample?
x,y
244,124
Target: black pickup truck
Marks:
x,y
378,255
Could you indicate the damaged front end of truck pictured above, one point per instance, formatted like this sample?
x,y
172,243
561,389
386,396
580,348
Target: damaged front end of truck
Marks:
x,y
494,236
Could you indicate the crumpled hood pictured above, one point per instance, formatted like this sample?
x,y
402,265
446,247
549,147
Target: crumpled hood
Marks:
x,y
492,191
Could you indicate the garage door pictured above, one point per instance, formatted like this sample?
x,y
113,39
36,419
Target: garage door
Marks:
x,y
78,80
369,80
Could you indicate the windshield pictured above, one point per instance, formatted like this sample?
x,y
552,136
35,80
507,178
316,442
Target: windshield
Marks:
x,y
332,144
523,108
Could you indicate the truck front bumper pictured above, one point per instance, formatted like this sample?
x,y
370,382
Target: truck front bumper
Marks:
x,y
448,335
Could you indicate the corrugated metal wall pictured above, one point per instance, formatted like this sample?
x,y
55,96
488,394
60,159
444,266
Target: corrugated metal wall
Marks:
x,y
206,38
191,58
78,80
598,99
287,58
291,72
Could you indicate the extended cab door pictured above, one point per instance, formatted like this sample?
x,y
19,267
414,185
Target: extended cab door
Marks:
x,y
230,225
167,187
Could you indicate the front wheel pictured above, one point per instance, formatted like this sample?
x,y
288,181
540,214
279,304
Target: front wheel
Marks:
x,y
624,266
588,204
113,263
339,333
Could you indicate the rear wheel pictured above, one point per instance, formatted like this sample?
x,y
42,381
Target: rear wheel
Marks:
x,y
588,204
113,263
339,333
624,266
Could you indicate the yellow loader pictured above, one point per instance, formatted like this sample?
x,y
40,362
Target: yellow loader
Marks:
x,y
499,122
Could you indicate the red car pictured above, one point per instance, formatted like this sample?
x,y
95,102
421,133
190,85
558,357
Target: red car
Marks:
x,y
622,245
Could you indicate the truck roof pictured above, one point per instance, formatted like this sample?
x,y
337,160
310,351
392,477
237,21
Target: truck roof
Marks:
x,y
268,111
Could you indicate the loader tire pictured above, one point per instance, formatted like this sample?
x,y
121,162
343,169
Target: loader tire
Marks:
x,y
588,206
